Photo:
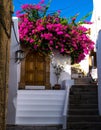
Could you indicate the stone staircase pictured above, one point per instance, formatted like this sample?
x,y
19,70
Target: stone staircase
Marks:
x,y
83,108
83,81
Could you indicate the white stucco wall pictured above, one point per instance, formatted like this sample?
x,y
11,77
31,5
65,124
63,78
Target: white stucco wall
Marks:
x,y
84,64
14,76
96,20
96,36
66,74
99,70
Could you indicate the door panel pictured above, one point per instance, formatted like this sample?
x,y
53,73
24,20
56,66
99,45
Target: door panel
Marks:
x,y
35,70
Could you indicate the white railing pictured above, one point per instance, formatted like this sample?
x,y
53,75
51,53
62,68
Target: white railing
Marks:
x,y
66,84
65,110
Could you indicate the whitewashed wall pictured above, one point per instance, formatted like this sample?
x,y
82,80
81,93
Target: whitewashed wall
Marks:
x,y
66,74
96,36
99,70
14,76
96,20
84,64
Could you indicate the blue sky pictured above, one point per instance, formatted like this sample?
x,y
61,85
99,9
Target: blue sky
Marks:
x,y
68,7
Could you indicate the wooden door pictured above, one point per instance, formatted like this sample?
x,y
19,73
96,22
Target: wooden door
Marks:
x,y
35,71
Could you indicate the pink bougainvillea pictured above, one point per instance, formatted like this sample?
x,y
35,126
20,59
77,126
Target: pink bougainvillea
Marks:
x,y
46,33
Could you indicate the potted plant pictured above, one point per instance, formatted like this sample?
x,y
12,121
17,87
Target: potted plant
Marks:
x,y
58,69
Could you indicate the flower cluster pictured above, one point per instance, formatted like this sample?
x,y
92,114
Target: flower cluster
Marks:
x,y
46,33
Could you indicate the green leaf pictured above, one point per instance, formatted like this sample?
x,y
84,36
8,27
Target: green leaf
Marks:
x,y
81,21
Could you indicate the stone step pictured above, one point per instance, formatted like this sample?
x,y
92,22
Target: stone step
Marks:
x,y
84,126
83,80
33,127
84,96
84,118
82,101
83,106
84,87
85,83
83,92
83,112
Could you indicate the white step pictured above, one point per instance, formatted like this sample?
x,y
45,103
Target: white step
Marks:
x,y
39,107
39,120
34,87
41,92
35,96
26,113
23,94
40,101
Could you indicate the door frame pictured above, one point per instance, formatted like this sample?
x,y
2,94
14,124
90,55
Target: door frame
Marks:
x,y
47,85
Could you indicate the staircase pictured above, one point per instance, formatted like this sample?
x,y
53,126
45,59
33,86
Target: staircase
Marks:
x,y
83,81
83,108
40,107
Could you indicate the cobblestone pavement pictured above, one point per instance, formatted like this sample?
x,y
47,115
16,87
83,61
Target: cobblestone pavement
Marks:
x,y
15,127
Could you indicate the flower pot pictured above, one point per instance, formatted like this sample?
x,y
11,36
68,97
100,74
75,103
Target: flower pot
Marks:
x,y
57,86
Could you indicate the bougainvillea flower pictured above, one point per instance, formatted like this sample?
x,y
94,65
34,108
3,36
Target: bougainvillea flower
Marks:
x,y
45,32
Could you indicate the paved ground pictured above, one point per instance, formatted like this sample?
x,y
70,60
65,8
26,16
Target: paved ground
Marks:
x,y
13,127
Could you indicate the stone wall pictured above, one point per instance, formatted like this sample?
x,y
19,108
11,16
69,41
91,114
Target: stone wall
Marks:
x,y
5,32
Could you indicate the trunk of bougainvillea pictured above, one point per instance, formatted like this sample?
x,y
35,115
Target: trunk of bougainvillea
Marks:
x,y
58,76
